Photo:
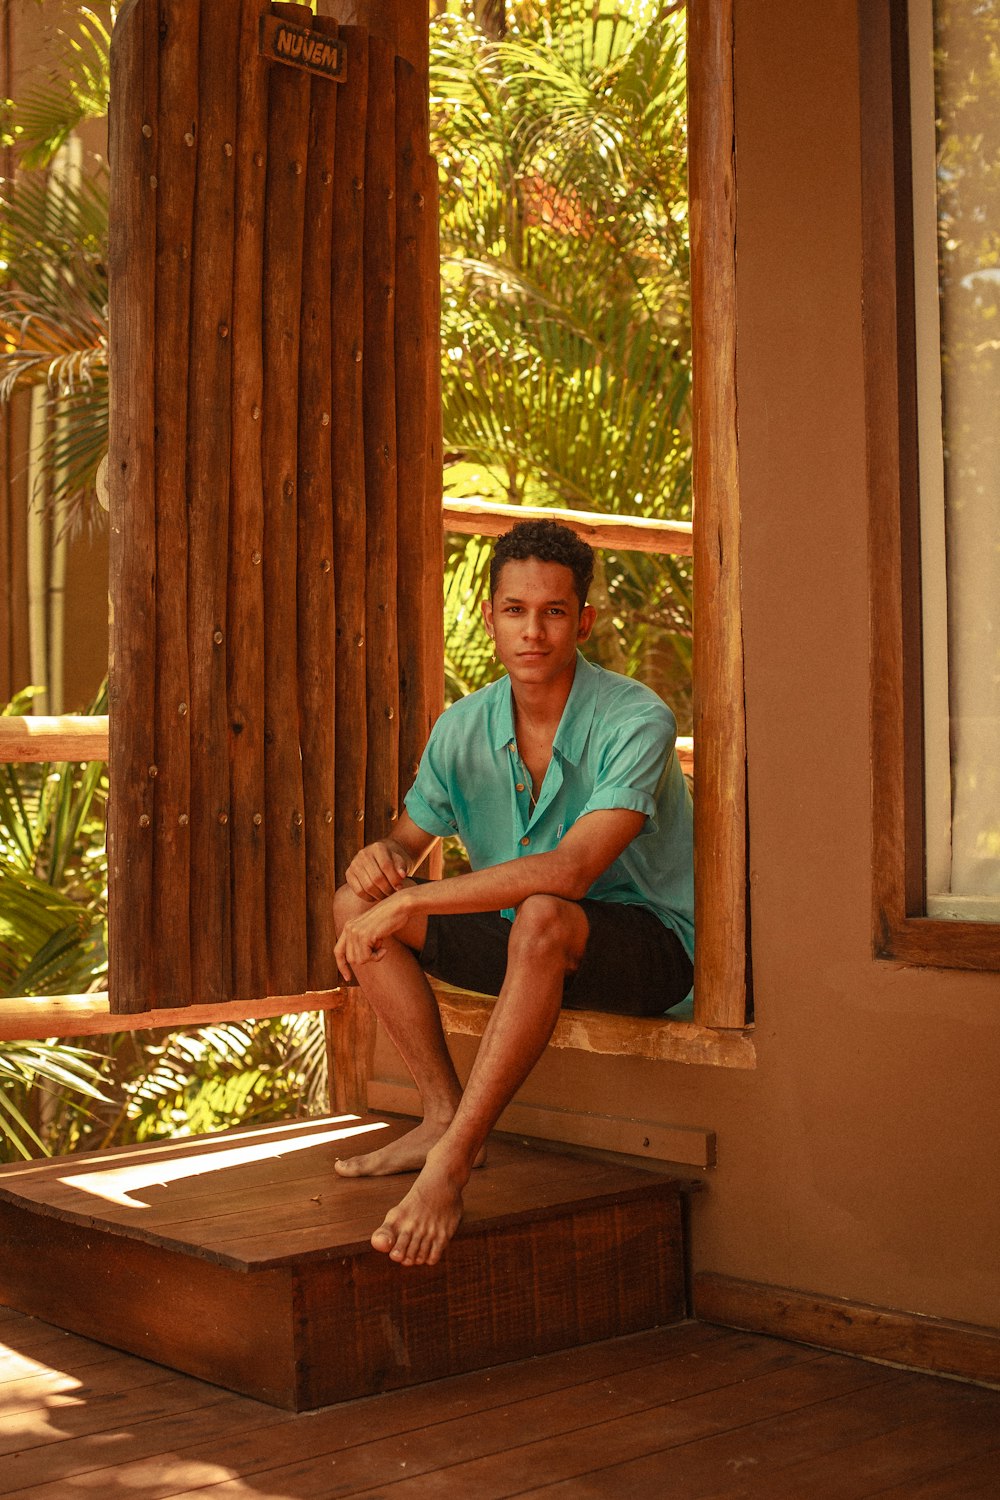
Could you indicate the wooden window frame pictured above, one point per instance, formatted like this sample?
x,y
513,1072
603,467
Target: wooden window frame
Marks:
x,y
900,929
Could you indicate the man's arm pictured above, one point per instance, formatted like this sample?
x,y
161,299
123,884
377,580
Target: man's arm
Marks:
x,y
380,869
593,843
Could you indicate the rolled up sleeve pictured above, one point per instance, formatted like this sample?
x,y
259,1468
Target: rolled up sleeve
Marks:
x,y
429,800
633,765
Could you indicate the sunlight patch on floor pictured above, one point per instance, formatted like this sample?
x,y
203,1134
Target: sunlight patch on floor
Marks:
x,y
118,1184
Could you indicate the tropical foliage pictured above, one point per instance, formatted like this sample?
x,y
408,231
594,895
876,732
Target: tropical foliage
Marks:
x,y
566,372
53,272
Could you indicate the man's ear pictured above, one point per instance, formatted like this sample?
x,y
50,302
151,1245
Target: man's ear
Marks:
x,y
487,608
588,615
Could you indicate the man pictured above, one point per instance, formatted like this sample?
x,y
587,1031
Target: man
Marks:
x,y
562,781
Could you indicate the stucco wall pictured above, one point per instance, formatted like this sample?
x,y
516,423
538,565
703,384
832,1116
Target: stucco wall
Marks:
x,y
860,1158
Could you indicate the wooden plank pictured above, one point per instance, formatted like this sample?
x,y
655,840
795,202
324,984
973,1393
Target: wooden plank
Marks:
x,y
158,1422
622,533
444,1452
28,1017
99,1378
269,1437
683,1144
53,737
176,128
904,1338
769,1424
315,582
969,1480
965,1426
413,291
287,154
350,1052
245,635
79,738
132,564
209,451
432,607
657,1038
379,402
719,723
236,1330
434,1324
347,427
187,1195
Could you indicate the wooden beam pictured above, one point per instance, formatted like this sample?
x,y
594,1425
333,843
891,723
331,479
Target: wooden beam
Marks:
x,y
70,737
622,533
53,737
681,1145
26,1018
720,732
657,1038
879,1333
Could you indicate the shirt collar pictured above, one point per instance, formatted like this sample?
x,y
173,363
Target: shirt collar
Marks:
x,y
577,716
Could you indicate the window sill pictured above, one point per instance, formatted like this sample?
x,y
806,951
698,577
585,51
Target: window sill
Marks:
x,y
658,1039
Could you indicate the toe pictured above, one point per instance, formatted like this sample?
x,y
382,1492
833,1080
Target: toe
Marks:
x,y
384,1239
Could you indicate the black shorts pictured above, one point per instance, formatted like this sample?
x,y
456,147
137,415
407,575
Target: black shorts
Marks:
x,y
632,964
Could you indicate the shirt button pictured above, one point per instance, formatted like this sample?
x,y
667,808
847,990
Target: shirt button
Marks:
x,y
526,840
520,786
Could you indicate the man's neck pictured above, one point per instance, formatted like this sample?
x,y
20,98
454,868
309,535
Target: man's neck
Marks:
x,y
539,706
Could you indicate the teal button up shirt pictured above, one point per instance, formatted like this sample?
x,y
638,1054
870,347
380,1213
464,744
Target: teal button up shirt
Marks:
x,y
614,748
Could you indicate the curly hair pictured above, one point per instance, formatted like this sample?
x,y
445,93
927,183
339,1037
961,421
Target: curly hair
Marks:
x,y
547,541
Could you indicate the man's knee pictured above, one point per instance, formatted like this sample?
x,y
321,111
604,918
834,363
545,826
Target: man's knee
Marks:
x,y
549,929
346,904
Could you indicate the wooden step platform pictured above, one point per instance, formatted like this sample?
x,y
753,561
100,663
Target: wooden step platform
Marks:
x,y
244,1259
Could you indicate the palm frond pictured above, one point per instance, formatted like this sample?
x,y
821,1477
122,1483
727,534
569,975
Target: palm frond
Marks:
x,y
78,88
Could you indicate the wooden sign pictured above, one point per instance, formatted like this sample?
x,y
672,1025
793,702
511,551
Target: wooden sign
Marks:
x,y
282,42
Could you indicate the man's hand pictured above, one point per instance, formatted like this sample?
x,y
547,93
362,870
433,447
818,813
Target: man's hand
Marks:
x,y
379,870
363,937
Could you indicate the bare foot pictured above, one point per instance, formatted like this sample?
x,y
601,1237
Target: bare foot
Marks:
x,y
408,1154
417,1230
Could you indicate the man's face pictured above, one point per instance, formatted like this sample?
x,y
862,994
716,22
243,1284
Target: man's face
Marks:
x,y
536,620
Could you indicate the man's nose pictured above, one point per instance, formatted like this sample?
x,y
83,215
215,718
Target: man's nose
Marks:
x,y
534,625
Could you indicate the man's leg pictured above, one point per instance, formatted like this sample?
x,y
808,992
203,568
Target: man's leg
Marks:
x,y
397,990
547,942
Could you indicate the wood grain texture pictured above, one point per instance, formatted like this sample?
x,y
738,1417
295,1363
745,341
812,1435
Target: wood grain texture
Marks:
x,y
350,1032
525,1288
132,495
287,154
904,1338
623,533
412,325
681,1410
176,136
379,402
27,1018
245,635
208,456
658,1038
685,1145
236,1330
552,1252
349,524
719,724
315,582
432,608
53,737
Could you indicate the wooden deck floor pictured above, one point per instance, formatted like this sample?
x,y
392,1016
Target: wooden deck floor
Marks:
x,y
683,1413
